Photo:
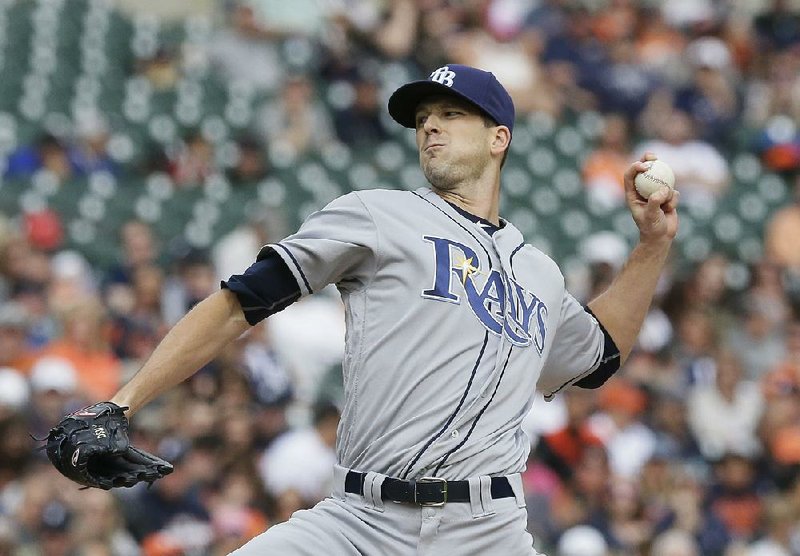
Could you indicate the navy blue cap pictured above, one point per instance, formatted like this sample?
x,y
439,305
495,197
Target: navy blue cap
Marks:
x,y
479,87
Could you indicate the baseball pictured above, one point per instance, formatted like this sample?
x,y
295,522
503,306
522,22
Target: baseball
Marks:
x,y
659,175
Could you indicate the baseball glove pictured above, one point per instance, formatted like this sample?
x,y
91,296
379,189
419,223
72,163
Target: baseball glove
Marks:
x,y
91,447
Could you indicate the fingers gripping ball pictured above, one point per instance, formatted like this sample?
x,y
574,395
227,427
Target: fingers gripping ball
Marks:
x,y
657,176
91,447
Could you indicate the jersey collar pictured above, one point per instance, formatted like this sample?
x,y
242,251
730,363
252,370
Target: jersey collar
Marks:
x,y
484,224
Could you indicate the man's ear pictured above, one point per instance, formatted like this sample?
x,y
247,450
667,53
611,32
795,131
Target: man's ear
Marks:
x,y
501,139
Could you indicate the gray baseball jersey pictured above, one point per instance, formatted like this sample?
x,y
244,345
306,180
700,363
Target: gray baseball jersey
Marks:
x,y
451,325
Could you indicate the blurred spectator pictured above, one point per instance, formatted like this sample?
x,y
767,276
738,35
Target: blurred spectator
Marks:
x,y
251,164
574,57
244,51
675,542
54,393
47,153
98,521
296,122
193,280
584,495
659,45
269,379
302,17
303,460
193,160
14,392
784,378
781,536
624,524
724,416
778,28
161,69
562,449
690,516
696,341
710,98
735,496
85,344
16,453
773,110
236,250
170,517
138,247
23,265
14,325
71,279
670,423
88,152
52,532
782,227
582,540
309,338
629,441
759,340
359,124
515,63
689,14
701,173
237,508
604,167
626,85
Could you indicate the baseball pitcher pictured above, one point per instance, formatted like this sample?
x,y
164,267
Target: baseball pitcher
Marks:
x,y
453,321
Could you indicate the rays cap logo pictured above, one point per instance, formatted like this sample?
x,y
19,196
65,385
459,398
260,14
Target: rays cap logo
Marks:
x,y
476,86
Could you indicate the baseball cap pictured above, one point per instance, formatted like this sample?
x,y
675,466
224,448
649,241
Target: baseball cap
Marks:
x,y
476,86
14,391
582,540
53,374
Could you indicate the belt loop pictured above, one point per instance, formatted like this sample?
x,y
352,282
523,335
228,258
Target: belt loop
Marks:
x,y
339,474
373,484
486,494
475,496
515,480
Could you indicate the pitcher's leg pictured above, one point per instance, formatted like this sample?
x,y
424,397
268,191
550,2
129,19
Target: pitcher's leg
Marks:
x,y
459,533
340,528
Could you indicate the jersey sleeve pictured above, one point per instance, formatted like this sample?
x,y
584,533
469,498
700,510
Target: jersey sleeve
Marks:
x,y
577,348
336,245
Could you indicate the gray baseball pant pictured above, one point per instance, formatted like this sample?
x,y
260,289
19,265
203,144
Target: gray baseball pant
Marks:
x,y
347,524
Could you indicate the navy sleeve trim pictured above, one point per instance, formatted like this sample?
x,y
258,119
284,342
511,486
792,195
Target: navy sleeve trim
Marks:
x,y
265,288
296,264
608,365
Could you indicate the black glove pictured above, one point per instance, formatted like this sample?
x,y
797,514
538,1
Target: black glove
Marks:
x,y
91,447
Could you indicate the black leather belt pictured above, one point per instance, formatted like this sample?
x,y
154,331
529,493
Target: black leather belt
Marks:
x,y
427,491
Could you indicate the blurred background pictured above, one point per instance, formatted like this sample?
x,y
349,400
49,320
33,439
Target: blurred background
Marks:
x,y
149,148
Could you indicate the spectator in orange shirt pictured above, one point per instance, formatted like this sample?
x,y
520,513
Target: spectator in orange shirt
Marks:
x,y
603,169
84,343
562,450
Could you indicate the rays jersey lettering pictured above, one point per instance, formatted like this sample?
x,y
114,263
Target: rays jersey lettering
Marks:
x,y
499,302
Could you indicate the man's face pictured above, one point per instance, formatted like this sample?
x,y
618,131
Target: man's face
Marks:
x,y
453,141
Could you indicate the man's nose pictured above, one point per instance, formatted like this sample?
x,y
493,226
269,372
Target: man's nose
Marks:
x,y
432,124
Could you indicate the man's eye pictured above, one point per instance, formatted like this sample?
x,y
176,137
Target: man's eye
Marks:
x,y
421,120
452,113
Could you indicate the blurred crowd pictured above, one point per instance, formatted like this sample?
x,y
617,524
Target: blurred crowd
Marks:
x,y
692,449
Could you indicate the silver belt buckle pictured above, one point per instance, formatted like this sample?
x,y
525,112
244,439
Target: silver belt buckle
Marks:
x,y
432,480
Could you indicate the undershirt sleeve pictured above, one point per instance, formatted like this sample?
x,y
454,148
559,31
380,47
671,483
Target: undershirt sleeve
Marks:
x,y
608,365
265,288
